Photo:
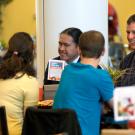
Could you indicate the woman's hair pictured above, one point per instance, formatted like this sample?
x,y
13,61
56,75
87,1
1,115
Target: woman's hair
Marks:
x,y
19,57
74,33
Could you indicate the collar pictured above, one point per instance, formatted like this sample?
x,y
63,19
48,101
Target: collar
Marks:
x,y
74,61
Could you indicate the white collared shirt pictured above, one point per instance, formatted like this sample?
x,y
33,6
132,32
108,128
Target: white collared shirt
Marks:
x,y
74,61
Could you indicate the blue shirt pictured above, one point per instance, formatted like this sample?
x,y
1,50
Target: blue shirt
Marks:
x,y
82,87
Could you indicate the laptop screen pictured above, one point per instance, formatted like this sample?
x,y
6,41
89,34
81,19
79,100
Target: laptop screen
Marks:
x,y
49,91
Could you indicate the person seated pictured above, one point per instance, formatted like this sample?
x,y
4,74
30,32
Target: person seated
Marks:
x,y
18,85
83,86
128,63
67,49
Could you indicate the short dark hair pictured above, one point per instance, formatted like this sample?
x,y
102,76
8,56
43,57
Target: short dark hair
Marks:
x,y
91,44
73,32
19,57
131,19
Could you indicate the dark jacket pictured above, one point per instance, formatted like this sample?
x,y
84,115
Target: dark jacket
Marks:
x,y
48,82
128,78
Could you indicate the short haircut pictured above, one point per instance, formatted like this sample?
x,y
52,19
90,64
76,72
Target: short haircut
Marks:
x,y
91,44
131,19
74,33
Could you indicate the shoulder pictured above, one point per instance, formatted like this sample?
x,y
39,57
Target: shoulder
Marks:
x,y
106,86
28,84
103,72
56,58
68,67
26,79
129,55
75,66
104,76
72,68
126,62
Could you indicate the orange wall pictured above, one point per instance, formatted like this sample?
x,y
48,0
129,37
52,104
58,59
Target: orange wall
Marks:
x,y
124,9
18,16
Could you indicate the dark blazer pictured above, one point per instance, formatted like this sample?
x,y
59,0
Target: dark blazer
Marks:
x,y
128,79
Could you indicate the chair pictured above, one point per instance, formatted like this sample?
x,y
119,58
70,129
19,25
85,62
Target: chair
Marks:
x,y
39,121
3,121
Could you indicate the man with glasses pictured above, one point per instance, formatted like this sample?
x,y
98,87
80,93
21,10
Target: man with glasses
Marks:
x,y
67,49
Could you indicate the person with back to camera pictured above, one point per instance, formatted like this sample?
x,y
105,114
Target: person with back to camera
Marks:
x,y
18,85
83,85
68,49
128,62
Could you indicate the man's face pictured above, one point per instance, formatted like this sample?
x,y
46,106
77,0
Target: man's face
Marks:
x,y
67,49
131,35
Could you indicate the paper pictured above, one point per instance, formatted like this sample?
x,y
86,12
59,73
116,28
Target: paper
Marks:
x,y
55,69
124,103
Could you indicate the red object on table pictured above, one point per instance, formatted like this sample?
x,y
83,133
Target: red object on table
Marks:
x,y
131,124
41,93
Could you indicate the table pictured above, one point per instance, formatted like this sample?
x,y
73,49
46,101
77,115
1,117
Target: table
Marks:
x,y
118,132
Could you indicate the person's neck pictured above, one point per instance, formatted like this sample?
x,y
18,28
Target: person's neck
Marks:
x,y
90,61
73,59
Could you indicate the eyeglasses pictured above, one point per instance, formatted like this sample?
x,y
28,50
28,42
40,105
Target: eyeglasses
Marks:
x,y
66,45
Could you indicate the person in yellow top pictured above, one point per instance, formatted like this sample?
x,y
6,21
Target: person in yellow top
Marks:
x,y
18,85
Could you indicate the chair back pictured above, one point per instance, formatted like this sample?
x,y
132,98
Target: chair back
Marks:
x,y
3,121
39,121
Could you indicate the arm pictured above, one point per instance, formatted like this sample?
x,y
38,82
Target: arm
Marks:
x,y
45,75
106,89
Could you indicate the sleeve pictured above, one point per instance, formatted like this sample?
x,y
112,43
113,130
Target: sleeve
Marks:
x,y
45,75
122,65
106,87
127,61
